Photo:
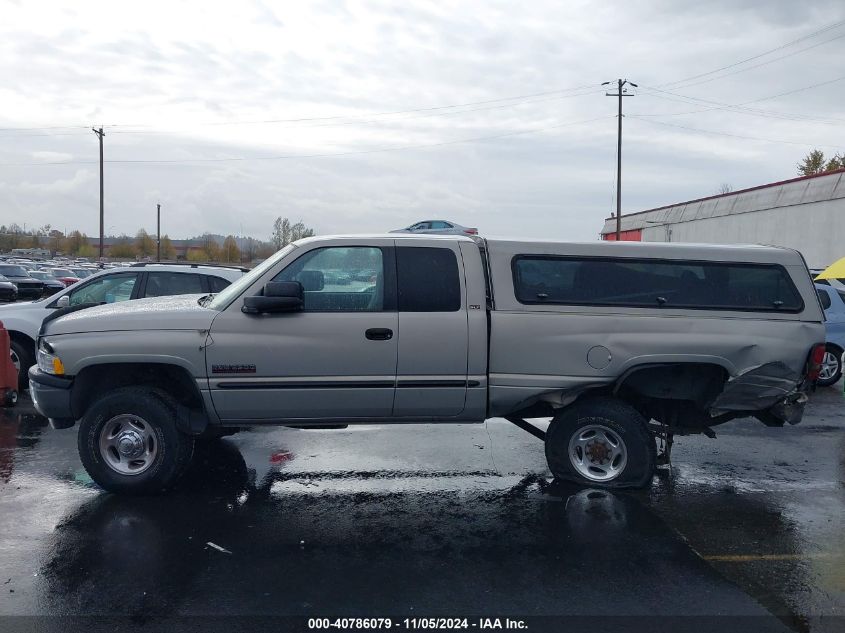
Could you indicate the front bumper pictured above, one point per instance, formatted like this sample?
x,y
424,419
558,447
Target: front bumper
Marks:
x,y
51,396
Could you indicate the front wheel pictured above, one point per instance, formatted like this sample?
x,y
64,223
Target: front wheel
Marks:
x,y
831,370
129,442
601,442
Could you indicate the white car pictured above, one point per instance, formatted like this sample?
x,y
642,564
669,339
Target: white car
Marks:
x,y
139,281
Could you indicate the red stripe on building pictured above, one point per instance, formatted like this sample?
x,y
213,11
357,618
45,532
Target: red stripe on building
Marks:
x,y
634,235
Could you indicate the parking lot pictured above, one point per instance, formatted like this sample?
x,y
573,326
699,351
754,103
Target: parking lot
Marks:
x,y
423,521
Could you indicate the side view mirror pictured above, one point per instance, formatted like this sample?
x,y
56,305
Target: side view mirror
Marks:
x,y
278,296
63,301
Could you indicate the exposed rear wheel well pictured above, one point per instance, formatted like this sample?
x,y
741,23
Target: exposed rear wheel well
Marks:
x,y
675,394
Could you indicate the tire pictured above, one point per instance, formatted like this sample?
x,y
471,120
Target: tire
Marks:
x,y
831,367
602,443
23,356
141,421
11,398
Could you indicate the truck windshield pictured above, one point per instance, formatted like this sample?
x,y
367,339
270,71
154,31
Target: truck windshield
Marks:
x,y
220,300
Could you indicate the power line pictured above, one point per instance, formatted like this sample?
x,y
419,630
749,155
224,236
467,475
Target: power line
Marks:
x,y
771,61
321,155
728,134
740,107
825,29
337,117
417,116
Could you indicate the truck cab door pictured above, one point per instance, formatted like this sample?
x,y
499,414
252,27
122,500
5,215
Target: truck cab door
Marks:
x,y
433,331
333,360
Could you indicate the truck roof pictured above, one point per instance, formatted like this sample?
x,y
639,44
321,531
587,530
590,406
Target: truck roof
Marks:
x,y
599,248
389,236
667,250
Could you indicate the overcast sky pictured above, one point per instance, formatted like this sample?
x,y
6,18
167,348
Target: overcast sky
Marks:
x,y
304,95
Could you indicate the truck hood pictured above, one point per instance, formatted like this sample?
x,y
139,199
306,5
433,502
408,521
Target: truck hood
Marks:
x,y
161,313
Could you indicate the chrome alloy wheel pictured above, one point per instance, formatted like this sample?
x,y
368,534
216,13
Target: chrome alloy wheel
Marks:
x,y
830,365
16,360
128,444
597,453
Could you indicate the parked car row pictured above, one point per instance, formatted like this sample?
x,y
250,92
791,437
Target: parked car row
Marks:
x,y
23,320
28,279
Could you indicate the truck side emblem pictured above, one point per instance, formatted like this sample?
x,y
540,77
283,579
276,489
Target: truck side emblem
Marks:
x,y
233,369
474,307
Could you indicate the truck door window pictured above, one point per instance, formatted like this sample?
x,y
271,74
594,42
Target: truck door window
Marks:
x,y
340,279
428,279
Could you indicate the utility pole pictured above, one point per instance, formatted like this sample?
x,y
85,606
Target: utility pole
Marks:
x,y
621,91
100,134
158,232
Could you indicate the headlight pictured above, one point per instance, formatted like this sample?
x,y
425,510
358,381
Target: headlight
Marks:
x,y
48,362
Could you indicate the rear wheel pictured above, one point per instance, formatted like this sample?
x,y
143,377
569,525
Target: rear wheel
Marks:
x,y
129,442
831,370
601,442
23,358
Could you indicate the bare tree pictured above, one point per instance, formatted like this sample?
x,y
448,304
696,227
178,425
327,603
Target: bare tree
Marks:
x,y
284,232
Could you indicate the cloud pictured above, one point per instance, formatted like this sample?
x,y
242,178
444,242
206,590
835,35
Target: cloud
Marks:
x,y
48,156
194,80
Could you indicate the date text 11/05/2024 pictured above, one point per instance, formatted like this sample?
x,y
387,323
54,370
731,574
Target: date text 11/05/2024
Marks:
x,y
356,624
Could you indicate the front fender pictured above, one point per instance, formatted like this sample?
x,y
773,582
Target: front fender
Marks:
x,y
183,348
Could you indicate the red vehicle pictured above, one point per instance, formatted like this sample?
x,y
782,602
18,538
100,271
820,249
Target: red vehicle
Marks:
x,y
8,372
65,275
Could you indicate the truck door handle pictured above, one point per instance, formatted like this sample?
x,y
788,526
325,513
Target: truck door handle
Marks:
x,y
379,334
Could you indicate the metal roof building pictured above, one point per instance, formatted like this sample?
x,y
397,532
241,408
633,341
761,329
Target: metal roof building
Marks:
x,y
807,214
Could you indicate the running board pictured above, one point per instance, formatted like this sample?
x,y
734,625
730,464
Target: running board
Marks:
x,y
527,426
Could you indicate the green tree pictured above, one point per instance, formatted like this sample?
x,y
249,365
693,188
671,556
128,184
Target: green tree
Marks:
x,y
122,249
264,250
168,251
815,163
56,240
86,250
75,241
837,162
231,252
196,255
145,246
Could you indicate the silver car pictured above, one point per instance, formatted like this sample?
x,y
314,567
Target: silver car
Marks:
x,y
438,227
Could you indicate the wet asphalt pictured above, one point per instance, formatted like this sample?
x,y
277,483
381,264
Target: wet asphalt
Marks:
x,y
744,532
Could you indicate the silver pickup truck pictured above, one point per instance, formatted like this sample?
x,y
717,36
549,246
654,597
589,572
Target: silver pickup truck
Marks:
x,y
623,345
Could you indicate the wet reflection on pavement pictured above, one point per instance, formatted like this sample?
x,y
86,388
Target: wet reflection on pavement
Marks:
x,y
431,520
